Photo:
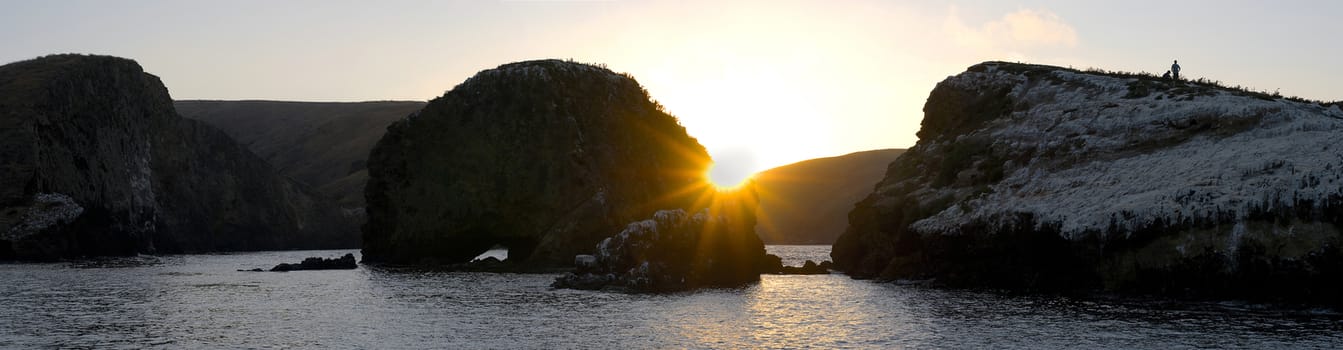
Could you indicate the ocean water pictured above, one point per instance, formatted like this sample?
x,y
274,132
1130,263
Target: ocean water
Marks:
x,y
201,301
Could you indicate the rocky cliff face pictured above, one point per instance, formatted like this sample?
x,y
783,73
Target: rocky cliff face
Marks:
x,y
1037,177
544,157
218,196
96,162
808,202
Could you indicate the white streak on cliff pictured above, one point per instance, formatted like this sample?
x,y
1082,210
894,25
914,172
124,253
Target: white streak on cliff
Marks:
x,y
47,210
1119,164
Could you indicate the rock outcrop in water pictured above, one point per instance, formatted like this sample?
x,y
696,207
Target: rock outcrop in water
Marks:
x,y
94,161
1037,177
544,157
808,268
676,250
345,262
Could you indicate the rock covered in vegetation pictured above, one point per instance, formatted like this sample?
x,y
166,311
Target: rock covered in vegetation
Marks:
x,y
543,157
94,161
675,250
345,262
1037,177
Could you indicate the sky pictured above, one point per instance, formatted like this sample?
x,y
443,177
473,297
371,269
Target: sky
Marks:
x,y
759,83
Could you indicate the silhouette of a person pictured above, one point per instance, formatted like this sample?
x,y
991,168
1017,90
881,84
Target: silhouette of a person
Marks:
x,y
1166,76
1175,70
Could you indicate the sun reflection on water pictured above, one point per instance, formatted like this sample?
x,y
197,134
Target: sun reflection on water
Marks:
x,y
786,312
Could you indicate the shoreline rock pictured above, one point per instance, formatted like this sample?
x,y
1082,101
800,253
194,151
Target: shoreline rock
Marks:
x,y
346,262
807,268
675,251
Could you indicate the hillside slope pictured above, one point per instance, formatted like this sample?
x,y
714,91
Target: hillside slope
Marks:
x,y
95,161
322,144
808,202
1039,177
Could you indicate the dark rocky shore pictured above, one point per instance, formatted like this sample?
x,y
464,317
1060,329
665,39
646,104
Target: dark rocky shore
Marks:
x,y
94,161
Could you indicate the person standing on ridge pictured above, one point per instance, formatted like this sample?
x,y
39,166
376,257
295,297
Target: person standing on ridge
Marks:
x,y
1175,70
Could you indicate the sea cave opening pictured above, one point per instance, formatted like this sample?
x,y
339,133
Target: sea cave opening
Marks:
x,y
497,251
514,250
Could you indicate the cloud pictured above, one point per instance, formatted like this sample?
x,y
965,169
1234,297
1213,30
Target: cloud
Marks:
x,y
1031,27
1024,29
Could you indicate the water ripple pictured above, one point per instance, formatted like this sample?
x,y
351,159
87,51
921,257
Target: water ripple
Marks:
x,y
201,301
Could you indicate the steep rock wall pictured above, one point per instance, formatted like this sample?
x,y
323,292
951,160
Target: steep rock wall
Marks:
x,y
96,162
1038,177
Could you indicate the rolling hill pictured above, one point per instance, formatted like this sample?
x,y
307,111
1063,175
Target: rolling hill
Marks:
x,y
808,202
322,144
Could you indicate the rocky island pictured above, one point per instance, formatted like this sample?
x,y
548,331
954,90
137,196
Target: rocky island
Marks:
x,y
547,158
95,161
1034,177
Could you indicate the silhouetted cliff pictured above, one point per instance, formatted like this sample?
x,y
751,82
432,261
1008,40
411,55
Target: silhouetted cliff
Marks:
x,y
544,157
95,161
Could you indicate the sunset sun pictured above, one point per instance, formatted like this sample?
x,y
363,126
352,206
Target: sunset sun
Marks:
x,y
727,178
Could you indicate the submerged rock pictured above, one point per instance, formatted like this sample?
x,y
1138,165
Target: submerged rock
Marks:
x,y
1044,178
346,262
675,250
543,157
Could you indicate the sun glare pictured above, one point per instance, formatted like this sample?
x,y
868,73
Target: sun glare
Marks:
x,y
725,178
